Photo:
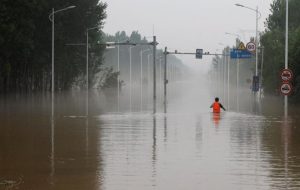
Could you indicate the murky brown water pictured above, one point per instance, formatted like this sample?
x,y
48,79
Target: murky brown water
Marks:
x,y
187,148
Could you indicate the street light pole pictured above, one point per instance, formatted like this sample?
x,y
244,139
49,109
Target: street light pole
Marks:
x,y
256,42
118,77
87,56
119,73
286,52
228,73
87,68
228,79
130,78
148,76
52,57
51,18
142,51
154,74
261,70
165,80
238,84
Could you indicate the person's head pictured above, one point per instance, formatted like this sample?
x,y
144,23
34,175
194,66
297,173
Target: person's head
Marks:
x,y
216,99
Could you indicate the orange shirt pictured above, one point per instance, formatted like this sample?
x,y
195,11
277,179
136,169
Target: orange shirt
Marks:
x,y
216,107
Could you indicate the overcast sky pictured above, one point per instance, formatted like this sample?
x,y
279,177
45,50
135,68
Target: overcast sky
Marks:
x,y
187,24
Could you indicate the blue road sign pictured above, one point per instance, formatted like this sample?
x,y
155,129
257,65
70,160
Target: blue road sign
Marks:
x,y
240,54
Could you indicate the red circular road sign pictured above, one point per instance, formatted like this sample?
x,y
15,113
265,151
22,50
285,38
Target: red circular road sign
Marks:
x,y
286,88
286,75
250,46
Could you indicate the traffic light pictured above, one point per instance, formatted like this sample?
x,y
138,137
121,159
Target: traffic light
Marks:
x,y
199,53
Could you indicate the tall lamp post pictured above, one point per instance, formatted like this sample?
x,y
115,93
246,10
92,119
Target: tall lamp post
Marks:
x,y
51,18
237,74
148,75
87,56
223,69
87,68
118,68
256,31
286,52
141,54
130,78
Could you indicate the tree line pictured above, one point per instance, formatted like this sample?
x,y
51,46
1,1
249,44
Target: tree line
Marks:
x,y
273,41
25,43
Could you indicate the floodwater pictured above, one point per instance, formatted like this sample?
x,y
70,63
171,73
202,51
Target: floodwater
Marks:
x,y
186,148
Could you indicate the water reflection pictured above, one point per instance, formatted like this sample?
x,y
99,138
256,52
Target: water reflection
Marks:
x,y
52,153
165,128
154,152
216,118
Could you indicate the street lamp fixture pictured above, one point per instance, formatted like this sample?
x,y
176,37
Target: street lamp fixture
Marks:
x,y
239,5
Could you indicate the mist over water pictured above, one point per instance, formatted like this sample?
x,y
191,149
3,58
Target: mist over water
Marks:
x,y
102,145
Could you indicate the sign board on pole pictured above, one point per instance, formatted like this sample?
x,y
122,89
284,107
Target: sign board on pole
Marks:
x,y
242,46
240,54
286,89
199,53
250,46
286,75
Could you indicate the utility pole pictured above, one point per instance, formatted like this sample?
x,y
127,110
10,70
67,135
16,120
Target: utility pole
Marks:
x,y
286,52
154,74
165,81
261,70
228,80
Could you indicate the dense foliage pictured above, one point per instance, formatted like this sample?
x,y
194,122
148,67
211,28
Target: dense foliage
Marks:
x,y
25,43
273,41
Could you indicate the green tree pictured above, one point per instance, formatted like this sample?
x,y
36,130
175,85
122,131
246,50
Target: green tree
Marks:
x,y
273,40
25,43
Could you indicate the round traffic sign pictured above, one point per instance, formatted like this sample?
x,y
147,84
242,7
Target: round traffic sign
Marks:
x,y
286,88
286,75
250,46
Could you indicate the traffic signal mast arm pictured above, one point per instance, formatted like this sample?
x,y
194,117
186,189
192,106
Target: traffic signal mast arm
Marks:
x,y
205,53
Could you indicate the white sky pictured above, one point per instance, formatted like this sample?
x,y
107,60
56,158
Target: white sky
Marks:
x,y
186,25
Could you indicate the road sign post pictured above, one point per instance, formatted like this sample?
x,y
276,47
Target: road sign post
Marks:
x,y
286,87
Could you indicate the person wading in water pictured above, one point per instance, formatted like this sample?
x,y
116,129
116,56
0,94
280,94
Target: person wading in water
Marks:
x,y
216,106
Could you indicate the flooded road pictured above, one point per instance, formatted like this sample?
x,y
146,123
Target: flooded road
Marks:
x,y
186,148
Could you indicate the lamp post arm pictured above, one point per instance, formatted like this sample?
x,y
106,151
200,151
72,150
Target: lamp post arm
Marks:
x,y
60,10
255,10
88,29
